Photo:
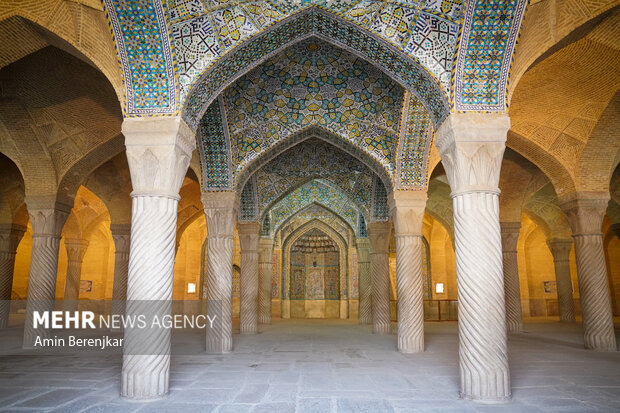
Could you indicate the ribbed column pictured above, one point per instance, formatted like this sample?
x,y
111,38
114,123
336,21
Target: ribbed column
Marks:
x,y
47,225
76,248
471,148
512,291
221,210
379,234
248,308
585,212
158,153
560,249
121,234
10,236
265,265
365,285
407,209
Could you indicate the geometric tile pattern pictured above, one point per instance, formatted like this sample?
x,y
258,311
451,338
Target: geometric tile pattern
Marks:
x,y
313,83
214,151
145,54
362,231
489,35
248,209
315,192
379,205
339,28
412,164
312,159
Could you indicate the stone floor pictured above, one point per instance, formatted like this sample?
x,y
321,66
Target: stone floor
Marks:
x,y
325,366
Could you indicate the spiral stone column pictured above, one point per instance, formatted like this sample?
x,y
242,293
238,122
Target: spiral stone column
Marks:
x,y
585,212
379,235
76,248
365,286
221,209
158,153
248,311
47,218
121,234
560,249
407,210
265,265
10,236
471,148
510,236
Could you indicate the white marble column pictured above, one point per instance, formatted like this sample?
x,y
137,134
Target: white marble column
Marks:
x,y
407,210
47,218
121,234
365,285
158,153
585,212
560,249
76,248
471,147
510,236
221,209
379,235
10,236
265,267
248,308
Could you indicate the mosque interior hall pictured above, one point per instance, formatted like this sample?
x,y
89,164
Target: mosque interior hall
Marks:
x,y
374,205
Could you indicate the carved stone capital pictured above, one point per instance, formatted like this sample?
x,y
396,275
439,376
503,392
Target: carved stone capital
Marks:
x,y
510,235
48,221
249,234
76,248
158,152
560,248
407,210
585,211
379,235
265,249
121,233
10,236
363,250
221,210
472,147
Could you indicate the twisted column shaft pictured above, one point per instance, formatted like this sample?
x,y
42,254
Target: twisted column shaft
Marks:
x,y
76,248
158,152
264,279
47,225
585,214
471,148
121,233
560,249
248,312
512,291
379,234
365,285
221,215
10,236
407,209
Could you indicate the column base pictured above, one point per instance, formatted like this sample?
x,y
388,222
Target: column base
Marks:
x,y
382,329
410,347
141,384
486,400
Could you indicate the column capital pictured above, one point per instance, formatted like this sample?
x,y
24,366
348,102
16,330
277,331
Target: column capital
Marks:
x,y
76,248
10,236
221,210
265,247
158,152
47,218
363,250
510,235
121,234
472,147
407,210
249,234
379,235
560,248
585,211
